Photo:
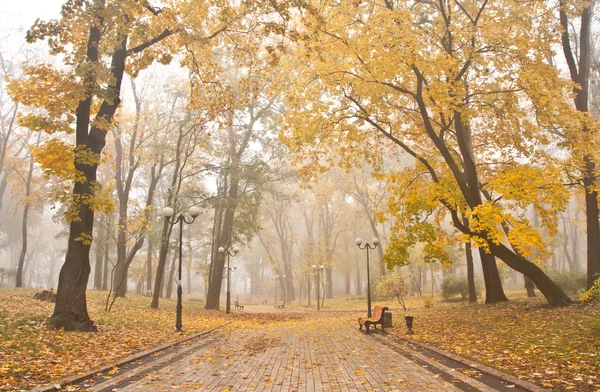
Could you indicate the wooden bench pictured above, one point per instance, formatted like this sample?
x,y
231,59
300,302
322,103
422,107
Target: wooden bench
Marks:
x,y
238,306
280,304
376,318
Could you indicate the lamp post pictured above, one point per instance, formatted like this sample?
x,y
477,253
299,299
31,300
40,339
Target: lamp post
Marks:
x,y
368,246
168,213
229,254
319,273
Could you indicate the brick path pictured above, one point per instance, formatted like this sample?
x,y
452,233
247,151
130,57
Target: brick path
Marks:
x,y
320,354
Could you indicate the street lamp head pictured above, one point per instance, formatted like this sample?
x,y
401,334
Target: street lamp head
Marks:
x,y
375,241
234,267
167,212
283,276
194,211
358,241
235,250
221,249
314,267
322,267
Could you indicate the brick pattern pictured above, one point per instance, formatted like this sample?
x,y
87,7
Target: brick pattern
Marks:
x,y
322,354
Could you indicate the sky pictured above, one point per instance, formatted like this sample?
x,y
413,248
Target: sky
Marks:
x,y
22,13
16,16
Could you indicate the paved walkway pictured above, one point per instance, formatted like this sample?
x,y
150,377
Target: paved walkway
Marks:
x,y
323,354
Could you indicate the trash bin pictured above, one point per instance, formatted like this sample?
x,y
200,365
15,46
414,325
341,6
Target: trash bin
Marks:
x,y
387,320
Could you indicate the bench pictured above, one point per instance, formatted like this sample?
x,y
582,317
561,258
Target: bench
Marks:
x,y
376,318
280,304
238,306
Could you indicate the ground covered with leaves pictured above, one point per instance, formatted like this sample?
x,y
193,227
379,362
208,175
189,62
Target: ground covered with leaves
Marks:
x,y
556,348
31,355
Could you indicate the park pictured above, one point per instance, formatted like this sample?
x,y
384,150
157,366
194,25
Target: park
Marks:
x,y
388,195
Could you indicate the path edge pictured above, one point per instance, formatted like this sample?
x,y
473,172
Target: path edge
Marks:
x,y
526,385
132,358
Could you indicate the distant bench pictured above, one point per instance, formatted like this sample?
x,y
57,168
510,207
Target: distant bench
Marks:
x,y
280,304
238,306
376,318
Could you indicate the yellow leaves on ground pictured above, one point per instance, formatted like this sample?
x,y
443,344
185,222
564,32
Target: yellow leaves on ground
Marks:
x,y
554,347
31,355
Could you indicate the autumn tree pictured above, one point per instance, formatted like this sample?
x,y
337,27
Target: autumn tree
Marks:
x,y
97,40
237,91
576,26
464,89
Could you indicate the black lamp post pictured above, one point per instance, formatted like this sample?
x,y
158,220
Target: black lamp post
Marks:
x,y
319,273
368,246
229,254
168,213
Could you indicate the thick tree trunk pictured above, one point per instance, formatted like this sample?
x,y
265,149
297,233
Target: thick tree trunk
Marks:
x,y
529,286
554,294
592,225
70,311
493,284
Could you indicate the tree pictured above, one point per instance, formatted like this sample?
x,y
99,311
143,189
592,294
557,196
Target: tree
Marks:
x,y
109,37
26,201
579,58
435,79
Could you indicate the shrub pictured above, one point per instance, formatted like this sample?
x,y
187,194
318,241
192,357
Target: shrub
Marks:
x,y
570,281
592,295
393,285
454,285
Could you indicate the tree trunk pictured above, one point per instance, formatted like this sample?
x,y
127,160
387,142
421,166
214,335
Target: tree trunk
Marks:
x,y
224,240
149,264
100,243
172,271
70,311
579,68
554,294
105,269
470,273
24,221
493,284
529,286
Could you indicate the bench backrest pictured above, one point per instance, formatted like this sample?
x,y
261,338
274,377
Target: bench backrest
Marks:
x,y
378,312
